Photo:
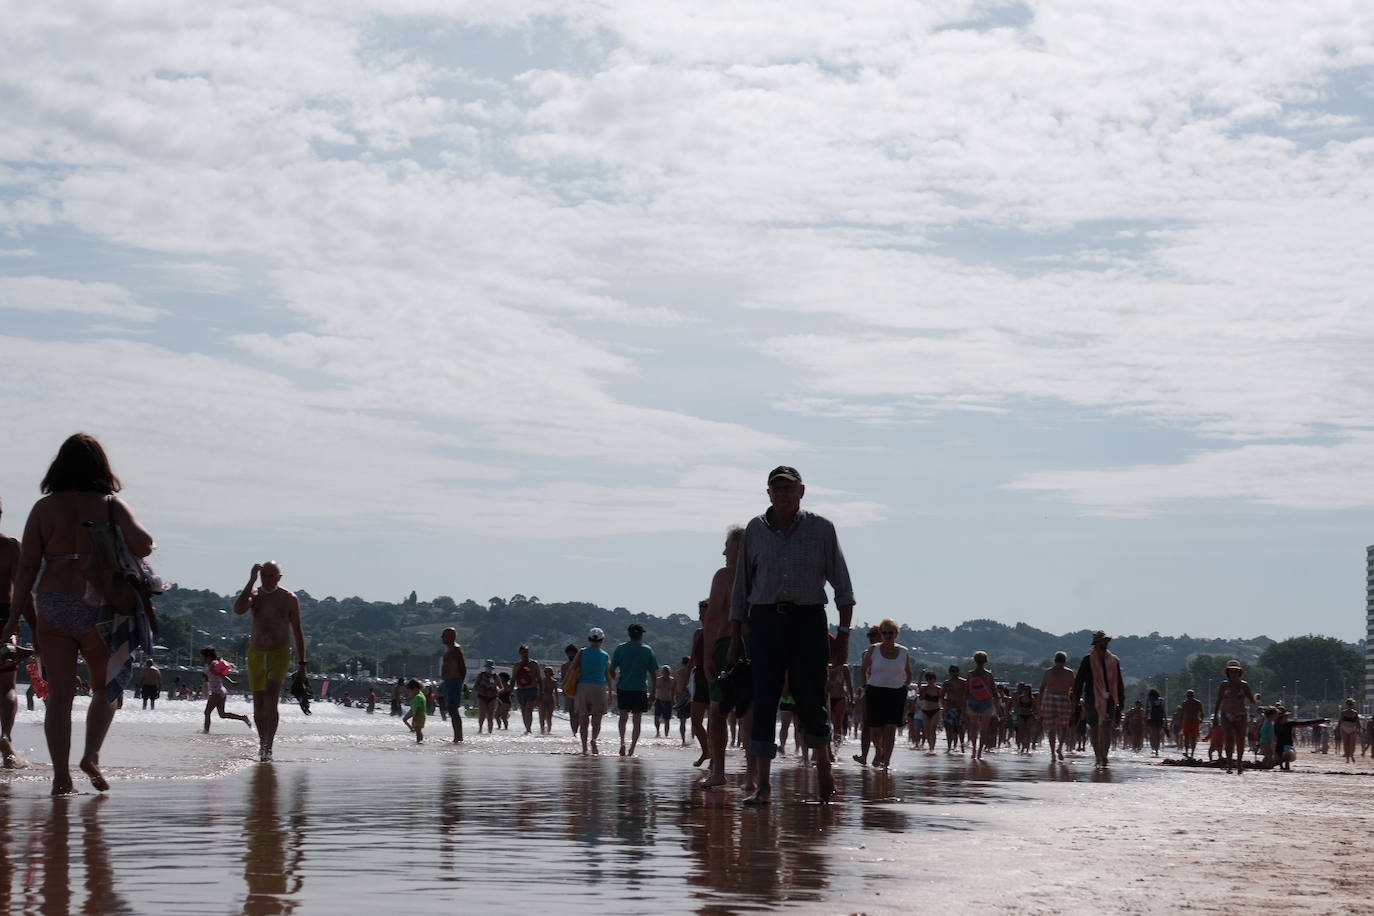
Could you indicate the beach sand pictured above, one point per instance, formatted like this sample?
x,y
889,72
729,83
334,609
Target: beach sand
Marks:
x,y
353,817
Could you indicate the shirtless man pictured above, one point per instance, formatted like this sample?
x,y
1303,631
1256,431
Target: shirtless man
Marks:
x,y
276,619
454,671
1056,704
525,674
9,700
955,698
150,685
1190,714
715,641
861,700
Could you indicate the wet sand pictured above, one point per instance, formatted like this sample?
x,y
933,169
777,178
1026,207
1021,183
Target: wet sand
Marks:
x,y
353,817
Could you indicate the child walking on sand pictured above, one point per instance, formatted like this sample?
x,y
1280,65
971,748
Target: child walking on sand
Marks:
x,y
415,718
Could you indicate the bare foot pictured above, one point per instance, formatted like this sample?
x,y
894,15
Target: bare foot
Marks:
x,y
90,768
758,797
12,760
861,761
632,751
711,781
62,787
622,750
701,760
595,750
826,784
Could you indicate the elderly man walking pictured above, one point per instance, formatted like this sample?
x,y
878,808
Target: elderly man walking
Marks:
x,y
786,557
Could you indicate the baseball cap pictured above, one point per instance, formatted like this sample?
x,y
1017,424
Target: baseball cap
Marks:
x,y
489,664
596,633
786,472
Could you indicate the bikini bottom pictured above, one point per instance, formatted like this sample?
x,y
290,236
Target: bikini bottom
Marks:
x,y
66,614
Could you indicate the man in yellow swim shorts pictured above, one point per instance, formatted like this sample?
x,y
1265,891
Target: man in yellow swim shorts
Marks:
x,y
276,619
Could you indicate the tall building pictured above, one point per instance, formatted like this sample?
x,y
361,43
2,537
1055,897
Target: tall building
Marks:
x,y
1369,628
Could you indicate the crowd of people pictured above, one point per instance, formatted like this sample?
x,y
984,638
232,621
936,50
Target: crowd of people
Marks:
x,y
764,662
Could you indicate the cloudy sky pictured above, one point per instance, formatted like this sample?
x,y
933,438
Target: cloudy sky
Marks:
x,y
1063,309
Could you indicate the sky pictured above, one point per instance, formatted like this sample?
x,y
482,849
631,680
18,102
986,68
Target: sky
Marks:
x,y
1062,309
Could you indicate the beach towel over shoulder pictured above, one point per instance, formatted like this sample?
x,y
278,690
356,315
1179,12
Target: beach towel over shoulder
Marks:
x,y
125,586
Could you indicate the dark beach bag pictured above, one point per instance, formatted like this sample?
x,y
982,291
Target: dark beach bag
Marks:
x,y
122,580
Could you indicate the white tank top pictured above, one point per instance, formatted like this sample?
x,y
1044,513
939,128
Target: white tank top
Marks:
x,y
887,672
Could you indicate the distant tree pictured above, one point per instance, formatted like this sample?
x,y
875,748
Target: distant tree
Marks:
x,y
518,599
496,604
445,603
1309,663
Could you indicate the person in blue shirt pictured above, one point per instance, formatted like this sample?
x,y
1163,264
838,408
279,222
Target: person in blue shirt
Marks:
x,y
589,671
631,667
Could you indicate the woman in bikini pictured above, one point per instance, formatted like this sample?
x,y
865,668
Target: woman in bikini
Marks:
x,y
984,703
216,676
548,694
1349,729
1234,697
78,488
487,686
928,697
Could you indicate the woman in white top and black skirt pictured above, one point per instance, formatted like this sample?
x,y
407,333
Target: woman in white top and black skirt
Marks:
x,y
887,672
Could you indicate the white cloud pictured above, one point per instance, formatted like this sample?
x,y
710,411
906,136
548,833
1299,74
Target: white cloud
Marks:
x,y
48,294
1339,476
498,259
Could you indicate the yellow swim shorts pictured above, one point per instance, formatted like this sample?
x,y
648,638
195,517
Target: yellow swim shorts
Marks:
x,y
267,666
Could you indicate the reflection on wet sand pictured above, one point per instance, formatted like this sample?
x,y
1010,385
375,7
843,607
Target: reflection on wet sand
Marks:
x,y
48,860
747,858
272,856
603,834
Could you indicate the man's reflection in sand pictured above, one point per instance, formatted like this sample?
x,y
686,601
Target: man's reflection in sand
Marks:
x,y
451,815
54,858
762,856
274,838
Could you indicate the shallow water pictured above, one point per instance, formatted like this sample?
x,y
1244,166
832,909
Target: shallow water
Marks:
x,y
354,817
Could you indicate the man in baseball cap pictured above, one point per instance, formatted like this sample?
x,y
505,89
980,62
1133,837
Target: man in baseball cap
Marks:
x,y
786,557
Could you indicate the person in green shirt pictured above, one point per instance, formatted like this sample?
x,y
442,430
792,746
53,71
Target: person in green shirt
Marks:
x,y
631,666
415,719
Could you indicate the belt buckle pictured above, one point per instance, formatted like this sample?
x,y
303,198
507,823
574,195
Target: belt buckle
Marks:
x,y
785,606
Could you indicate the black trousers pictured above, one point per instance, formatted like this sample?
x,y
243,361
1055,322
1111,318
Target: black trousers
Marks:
x,y
788,642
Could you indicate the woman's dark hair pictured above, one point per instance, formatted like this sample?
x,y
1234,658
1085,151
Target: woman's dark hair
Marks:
x,y
210,651
80,465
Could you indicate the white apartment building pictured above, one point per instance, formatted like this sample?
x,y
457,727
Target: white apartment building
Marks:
x,y
1369,629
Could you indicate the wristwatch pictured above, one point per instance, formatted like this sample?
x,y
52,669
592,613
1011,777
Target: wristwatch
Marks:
x,y
842,629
